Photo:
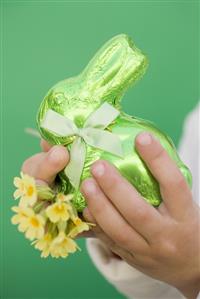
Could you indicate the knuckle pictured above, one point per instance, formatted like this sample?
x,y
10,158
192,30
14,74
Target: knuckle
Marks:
x,y
57,156
180,182
111,178
97,209
165,250
176,182
122,236
111,182
168,250
96,205
142,215
158,154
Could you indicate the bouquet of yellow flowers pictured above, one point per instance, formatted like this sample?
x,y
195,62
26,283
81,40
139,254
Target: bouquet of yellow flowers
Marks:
x,y
47,218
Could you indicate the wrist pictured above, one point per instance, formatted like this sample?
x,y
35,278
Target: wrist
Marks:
x,y
190,289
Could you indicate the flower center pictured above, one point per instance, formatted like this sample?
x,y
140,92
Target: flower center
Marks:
x,y
34,222
59,209
30,190
77,221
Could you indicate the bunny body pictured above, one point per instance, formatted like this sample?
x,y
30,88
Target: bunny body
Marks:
x,y
113,69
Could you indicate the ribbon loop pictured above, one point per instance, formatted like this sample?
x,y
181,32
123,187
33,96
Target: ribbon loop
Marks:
x,y
99,139
92,133
102,117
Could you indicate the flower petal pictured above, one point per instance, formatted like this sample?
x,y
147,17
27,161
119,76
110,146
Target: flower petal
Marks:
x,y
17,182
15,219
17,194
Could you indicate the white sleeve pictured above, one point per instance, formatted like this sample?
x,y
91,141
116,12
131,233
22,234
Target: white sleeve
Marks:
x,y
189,148
127,280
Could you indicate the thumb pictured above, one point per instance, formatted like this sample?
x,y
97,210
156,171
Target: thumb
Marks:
x,y
45,166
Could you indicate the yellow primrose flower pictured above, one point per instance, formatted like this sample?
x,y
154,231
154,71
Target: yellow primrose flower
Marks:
x,y
59,211
35,227
44,244
21,217
29,222
62,246
79,227
26,190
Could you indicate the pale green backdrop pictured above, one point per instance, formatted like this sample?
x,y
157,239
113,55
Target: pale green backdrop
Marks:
x,y
46,41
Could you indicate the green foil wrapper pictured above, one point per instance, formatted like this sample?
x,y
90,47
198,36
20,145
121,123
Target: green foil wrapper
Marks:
x,y
116,66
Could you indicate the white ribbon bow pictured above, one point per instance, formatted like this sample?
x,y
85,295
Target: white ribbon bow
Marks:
x,y
92,133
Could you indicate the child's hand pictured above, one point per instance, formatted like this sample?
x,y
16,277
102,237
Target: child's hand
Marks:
x,y
164,243
45,166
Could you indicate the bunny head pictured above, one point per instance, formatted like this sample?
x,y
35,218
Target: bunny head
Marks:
x,y
112,70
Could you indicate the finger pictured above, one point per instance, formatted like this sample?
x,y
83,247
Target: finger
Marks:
x,y
116,251
88,216
45,146
174,188
45,166
86,234
144,218
109,219
97,231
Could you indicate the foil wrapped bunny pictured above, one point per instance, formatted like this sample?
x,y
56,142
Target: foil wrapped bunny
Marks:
x,y
84,114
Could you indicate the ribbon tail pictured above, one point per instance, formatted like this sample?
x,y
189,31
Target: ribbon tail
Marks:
x,y
77,159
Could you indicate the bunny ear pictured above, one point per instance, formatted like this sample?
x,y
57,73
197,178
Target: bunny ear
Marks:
x,y
113,69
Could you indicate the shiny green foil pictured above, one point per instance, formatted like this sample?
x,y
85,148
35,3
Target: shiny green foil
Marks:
x,y
116,66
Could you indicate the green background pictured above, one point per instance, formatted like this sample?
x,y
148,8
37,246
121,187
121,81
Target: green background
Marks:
x,y
44,42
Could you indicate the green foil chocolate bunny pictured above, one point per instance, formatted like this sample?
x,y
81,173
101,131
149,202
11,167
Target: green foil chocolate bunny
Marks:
x,y
84,114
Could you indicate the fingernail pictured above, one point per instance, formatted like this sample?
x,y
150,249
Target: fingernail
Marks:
x,y
89,186
98,169
55,154
144,138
